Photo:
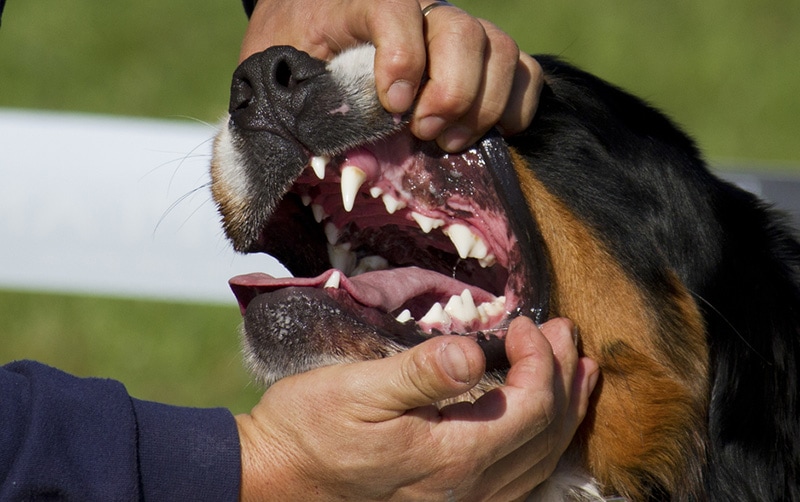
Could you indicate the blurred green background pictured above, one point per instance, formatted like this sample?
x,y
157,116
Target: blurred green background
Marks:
x,y
727,71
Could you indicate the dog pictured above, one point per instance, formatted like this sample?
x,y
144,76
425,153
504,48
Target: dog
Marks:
x,y
685,289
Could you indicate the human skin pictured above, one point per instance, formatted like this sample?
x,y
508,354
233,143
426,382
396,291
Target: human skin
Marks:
x,y
476,75
369,431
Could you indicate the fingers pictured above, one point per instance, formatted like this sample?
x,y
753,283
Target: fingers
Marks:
x,y
441,368
573,381
477,77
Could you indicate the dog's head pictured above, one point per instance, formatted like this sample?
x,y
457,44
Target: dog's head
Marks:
x,y
390,239
602,211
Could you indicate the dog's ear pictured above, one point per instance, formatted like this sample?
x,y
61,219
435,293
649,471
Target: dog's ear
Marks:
x,y
751,306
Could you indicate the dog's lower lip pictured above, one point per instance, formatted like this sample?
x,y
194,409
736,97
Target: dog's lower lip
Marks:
x,y
408,285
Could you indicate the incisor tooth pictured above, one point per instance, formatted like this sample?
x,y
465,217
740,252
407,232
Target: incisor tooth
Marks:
x,y
426,223
333,280
391,203
318,164
352,179
436,315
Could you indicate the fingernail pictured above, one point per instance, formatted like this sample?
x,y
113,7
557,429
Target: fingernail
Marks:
x,y
455,138
430,127
454,362
400,96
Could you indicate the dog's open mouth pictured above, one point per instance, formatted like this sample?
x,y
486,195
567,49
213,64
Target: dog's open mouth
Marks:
x,y
399,241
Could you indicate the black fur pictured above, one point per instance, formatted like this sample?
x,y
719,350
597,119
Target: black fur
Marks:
x,y
640,182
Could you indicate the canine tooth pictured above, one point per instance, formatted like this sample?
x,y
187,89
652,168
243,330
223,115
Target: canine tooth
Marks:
x,y
352,179
375,192
426,223
392,204
342,258
333,280
462,238
436,315
332,233
318,163
404,316
306,199
319,212
370,263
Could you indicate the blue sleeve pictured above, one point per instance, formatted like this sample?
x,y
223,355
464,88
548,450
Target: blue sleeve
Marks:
x,y
69,438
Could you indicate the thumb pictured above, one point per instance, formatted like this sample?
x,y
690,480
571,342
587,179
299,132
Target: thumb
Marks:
x,y
440,368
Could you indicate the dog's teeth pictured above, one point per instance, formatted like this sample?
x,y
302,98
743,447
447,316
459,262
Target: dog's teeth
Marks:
x,y
319,212
318,164
332,233
462,238
404,316
436,315
352,179
333,280
462,307
392,204
487,310
467,243
487,261
375,192
369,264
306,200
342,258
426,223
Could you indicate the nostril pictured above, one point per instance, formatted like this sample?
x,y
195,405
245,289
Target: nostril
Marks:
x,y
241,94
284,76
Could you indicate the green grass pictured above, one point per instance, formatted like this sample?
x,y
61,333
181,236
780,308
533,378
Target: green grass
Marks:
x,y
183,354
725,69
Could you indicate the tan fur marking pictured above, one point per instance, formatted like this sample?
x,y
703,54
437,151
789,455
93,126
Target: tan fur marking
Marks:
x,y
647,418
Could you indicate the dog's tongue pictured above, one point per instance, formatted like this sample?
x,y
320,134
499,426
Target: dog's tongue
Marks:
x,y
386,290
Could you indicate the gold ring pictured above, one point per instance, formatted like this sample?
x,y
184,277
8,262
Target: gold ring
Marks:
x,y
432,6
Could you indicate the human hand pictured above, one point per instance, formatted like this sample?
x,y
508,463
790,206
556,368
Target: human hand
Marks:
x,y
477,76
368,431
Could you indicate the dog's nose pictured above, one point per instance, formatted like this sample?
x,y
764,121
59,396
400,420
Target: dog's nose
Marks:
x,y
271,86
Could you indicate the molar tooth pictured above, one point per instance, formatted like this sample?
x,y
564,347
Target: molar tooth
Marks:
x,y
392,204
404,316
462,307
375,192
333,280
352,179
436,315
426,223
342,258
319,212
462,238
318,163
332,233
